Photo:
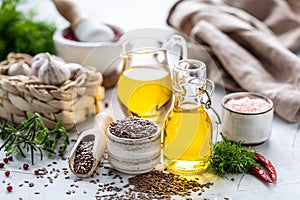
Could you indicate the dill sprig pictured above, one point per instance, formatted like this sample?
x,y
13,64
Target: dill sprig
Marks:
x,y
32,136
231,158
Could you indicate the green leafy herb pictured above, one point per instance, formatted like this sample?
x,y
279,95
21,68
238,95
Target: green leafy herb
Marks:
x,y
20,33
231,158
32,136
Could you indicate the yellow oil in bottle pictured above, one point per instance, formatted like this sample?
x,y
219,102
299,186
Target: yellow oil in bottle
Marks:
x,y
144,91
187,139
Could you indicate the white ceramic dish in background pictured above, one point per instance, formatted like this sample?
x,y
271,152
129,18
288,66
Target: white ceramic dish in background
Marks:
x,y
252,128
134,156
97,54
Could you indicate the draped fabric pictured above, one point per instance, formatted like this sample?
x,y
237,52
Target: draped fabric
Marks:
x,y
252,43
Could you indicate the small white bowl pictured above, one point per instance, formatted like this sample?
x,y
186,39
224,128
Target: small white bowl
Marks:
x,y
251,128
134,156
97,54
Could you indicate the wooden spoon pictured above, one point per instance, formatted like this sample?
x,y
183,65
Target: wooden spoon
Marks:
x,y
85,29
96,135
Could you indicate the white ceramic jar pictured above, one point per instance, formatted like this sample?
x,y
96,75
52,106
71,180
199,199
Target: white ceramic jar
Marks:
x,y
134,156
251,127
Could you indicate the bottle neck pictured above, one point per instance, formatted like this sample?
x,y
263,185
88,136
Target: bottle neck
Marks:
x,y
187,101
188,77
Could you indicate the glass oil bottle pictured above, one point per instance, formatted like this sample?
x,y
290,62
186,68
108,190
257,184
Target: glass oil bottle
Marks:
x,y
188,129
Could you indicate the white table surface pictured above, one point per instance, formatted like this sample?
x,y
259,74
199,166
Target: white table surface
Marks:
x,y
283,148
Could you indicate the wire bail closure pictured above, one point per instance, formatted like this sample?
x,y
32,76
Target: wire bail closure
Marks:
x,y
208,104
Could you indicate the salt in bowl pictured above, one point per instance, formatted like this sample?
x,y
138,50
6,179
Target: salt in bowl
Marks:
x,y
247,117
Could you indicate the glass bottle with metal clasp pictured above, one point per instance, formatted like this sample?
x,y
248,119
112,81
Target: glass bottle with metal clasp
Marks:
x,y
188,129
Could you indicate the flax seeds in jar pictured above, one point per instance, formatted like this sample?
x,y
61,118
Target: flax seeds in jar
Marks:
x,y
133,145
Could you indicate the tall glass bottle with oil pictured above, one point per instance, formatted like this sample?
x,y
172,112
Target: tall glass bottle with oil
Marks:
x,y
188,129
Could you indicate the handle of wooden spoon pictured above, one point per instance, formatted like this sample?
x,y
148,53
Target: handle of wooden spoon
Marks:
x,y
69,11
102,121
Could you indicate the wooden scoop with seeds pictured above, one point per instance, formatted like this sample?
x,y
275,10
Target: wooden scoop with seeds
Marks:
x,y
89,148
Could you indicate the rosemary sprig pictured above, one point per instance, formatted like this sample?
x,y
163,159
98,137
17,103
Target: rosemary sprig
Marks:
x,y
231,158
32,136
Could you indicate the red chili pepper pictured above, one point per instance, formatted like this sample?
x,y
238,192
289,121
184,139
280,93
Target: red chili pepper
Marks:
x,y
260,173
267,164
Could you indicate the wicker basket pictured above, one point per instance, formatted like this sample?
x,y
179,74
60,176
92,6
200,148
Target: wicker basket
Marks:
x,y
72,102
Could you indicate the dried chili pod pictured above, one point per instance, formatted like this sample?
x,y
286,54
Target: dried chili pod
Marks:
x,y
260,173
267,164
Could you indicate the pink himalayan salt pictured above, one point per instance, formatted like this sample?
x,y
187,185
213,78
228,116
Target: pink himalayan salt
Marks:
x,y
248,105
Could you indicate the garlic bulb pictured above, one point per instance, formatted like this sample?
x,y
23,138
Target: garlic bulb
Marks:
x,y
19,68
75,69
53,71
37,61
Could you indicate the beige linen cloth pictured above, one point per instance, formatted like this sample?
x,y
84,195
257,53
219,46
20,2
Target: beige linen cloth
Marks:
x,y
250,43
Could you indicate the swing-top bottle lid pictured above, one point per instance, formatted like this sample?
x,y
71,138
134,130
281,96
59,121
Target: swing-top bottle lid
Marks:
x,y
189,75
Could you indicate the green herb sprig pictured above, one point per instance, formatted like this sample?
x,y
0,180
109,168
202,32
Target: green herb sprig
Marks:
x,y
19,32
231,158
32,136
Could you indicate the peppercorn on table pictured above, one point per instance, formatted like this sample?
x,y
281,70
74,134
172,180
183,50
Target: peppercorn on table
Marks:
x,y
52,179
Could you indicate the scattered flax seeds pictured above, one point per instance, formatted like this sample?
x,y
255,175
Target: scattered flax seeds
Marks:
x,y
152,185
160,185
63,157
